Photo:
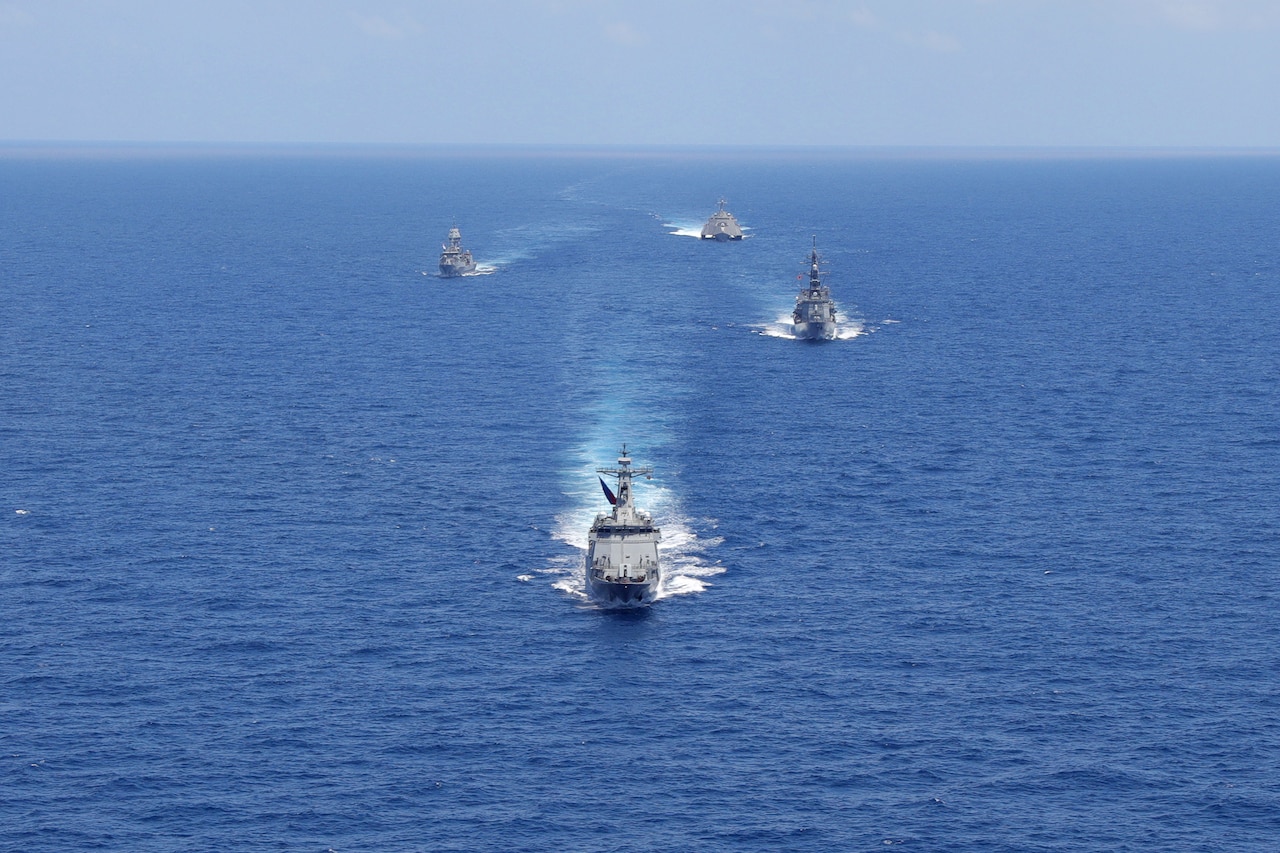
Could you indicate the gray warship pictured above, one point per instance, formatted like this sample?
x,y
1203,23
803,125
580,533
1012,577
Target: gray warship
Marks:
x,y
455,260
622,546
721,226
815,315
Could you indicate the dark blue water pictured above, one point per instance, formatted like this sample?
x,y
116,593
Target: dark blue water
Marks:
x,y
291,527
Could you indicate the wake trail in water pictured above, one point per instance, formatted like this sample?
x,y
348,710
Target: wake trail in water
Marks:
x,y
527,242
684,227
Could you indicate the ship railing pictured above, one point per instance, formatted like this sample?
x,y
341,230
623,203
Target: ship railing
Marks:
x,y
603,570
621,578
625,529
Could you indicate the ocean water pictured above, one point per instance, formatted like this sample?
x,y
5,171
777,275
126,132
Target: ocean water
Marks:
x,y
291,529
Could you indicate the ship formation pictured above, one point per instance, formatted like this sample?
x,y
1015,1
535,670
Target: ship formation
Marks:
x,y
721,226
455,260
623,567
815,315
622,563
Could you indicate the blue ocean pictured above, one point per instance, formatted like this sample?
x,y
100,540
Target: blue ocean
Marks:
x,y
292,529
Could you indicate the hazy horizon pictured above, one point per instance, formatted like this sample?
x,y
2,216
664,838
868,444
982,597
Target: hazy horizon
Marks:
x,y
928,74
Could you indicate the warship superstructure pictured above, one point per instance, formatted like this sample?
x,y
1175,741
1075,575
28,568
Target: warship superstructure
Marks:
x,y
455,260
815,314
622,546
721,226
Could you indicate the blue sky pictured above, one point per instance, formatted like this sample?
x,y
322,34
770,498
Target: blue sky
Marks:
x,y
1132,73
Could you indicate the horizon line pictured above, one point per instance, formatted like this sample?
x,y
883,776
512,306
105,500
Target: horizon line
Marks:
x,y
87,149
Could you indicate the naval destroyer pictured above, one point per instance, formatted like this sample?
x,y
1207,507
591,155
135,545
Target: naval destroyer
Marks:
x,y
815,315
455,260
622,546
721,226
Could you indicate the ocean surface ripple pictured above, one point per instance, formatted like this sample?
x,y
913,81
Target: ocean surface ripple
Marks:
x,y
292,532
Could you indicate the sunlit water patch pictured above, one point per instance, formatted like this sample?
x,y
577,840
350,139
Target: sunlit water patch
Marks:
x,y
1055,618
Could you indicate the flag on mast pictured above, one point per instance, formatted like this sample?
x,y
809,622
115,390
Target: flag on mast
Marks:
x,y
613,501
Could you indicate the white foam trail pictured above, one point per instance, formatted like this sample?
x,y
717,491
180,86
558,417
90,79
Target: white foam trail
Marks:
x,y
574,586
779,328
525,242
850,329
684,227
684,553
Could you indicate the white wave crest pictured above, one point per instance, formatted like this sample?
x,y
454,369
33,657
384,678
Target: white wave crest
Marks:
x,y
850,329
684,228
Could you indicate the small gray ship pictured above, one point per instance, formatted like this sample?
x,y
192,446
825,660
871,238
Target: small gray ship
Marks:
x,y
455,260
815,316
722,227
622,546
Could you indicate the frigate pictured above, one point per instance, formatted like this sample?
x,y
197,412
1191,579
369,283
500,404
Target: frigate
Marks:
x,y
455,260
622,545
721,226
815,314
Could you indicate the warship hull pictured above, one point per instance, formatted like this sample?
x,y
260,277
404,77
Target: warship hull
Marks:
x,y
711,232
453,270
623,568
615,593
721,227
815,331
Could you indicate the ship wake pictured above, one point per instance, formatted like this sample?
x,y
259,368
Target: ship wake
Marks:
x,y
520,243
684,227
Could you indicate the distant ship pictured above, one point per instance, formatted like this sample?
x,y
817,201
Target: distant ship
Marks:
x,y
721,226
815,315
622,547
455,260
